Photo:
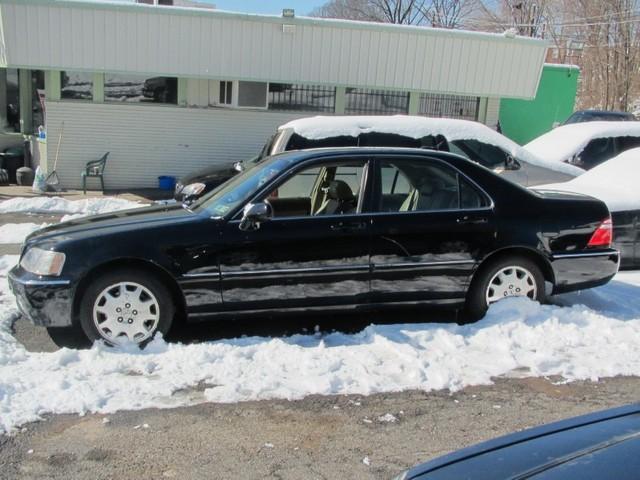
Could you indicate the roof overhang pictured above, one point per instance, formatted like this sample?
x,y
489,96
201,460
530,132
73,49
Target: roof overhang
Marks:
x,y
199,43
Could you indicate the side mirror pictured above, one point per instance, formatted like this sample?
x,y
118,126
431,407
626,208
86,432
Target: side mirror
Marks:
x,y
511,163
254,214
238,167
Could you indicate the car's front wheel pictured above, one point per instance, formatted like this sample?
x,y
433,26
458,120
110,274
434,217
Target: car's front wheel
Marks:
x,y
126,306
511,276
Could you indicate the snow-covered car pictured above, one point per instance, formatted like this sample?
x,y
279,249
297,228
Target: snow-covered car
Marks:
x,y
616,183
471,140
601,445
586,144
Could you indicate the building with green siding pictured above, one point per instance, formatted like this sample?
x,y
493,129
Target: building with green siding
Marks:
x,y
524,120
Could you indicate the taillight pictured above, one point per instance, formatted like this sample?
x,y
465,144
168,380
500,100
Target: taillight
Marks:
x,y
603,236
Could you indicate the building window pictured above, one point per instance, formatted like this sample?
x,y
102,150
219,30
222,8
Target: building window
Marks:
x,y
449,106
308,98
252,94
226,93
138,88
76,85
375,102
13,101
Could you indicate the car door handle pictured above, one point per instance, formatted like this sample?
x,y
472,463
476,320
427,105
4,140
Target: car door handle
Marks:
x,y
348,226
466,220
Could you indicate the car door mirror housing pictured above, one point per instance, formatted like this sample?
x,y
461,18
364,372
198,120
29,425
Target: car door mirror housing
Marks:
x,y
254,214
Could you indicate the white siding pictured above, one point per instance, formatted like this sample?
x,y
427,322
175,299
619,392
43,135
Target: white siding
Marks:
x,y
66,35
146,141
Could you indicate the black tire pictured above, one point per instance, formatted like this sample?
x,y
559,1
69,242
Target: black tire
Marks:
x,y
156,287
69,337
476,304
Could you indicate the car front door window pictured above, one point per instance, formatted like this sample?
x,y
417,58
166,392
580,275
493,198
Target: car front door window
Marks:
x,y
332,189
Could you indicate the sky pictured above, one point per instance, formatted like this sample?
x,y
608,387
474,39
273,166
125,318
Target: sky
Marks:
x,y
302,7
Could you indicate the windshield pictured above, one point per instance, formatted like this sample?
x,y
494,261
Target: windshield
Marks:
x,y
242,187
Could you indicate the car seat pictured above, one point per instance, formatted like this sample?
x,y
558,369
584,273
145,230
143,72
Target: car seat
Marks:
x,y
339,199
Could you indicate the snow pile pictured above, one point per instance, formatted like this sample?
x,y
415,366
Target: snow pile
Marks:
x,y
564,142
615,182
17,232
315,128
58,205
575,342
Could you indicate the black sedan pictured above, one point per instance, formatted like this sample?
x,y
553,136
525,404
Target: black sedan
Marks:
x,y
324,229
602,445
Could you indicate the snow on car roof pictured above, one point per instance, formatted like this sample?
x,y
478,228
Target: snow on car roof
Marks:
x,y
564,142
316,128
615,182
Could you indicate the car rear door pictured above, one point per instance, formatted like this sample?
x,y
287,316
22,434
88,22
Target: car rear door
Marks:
x,y
427,248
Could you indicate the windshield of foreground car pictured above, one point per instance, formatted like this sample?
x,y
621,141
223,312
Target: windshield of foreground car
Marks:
x,y
240,188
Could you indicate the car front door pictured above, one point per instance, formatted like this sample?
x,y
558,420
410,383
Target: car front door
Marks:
x,y
426,247
313,252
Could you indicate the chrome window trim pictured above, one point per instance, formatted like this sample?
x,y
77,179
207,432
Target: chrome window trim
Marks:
x,y
384,266
560,256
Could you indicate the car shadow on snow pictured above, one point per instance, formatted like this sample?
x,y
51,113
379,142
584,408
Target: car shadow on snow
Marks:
x,y
284,326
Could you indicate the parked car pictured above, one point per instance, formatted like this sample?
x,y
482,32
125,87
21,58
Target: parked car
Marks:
x,y
472,140
586,144
602,445
326,229
599,116
615,182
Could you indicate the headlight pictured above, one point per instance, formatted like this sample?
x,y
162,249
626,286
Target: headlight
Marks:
x,y
193,189
43,262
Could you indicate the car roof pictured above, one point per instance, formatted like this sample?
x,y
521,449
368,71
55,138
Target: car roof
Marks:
x,y
298,156
569,446
604,112
563,142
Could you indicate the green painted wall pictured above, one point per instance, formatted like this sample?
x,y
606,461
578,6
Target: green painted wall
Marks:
x,y
524,120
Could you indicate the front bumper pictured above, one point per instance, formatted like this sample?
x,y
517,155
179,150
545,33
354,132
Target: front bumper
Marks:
x,y
582,270
45,301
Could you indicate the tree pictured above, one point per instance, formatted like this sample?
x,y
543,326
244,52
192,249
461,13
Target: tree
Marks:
x,y
437,13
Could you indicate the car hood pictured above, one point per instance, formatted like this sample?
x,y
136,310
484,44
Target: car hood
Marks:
x,y
112,222
210,173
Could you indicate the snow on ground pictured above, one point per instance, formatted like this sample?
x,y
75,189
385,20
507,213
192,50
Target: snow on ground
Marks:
x,y
615,182
17,232
59,205
596,334
564,142
318,127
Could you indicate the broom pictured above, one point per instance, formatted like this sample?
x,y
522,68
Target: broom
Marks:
x,y
52,181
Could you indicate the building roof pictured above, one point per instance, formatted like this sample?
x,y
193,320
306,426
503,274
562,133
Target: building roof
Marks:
x,y
200,43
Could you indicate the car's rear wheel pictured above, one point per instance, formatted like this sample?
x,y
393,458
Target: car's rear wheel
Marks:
x,y
126,306
511,276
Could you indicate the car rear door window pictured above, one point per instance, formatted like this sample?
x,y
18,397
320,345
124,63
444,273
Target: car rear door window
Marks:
x,y
410,185
596,152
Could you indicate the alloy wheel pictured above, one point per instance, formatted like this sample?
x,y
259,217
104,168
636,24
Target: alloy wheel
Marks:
x,y
511,281
126,312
